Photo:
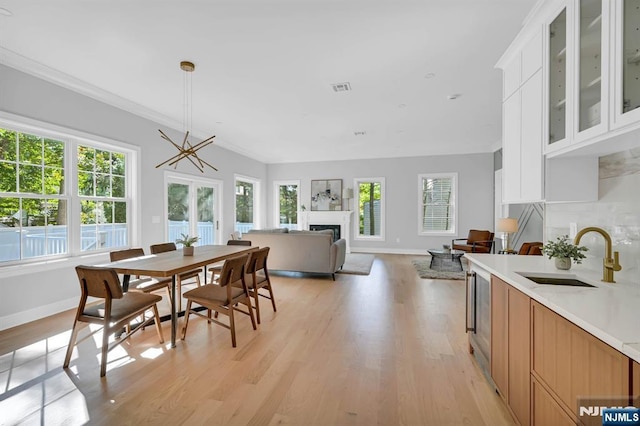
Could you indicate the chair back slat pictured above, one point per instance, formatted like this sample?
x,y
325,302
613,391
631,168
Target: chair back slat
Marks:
x,y
233,270
257,260
99,282
239,242
161,248
114,256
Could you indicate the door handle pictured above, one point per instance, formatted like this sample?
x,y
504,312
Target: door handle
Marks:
x,y
470,276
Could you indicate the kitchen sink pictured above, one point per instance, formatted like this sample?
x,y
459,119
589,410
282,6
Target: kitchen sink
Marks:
x,y
549,279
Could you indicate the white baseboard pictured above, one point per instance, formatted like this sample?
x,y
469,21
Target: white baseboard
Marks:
x,y
37,313
423,252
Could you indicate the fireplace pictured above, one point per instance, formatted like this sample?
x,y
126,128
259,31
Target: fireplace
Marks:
x,y
340,219
334,228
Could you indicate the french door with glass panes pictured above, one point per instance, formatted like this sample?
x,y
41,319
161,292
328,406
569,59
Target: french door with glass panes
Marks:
x,y
193,208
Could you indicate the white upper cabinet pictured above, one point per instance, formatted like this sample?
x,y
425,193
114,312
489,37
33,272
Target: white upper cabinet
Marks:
x,y
592,76
557,80
532,56
626,99
591,24
522,174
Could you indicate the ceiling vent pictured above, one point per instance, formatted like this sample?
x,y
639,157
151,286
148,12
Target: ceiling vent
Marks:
x,y
341,87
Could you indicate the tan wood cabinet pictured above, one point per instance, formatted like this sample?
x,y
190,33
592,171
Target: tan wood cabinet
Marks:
x,y
635,379
544,409
499,336
572,363
510,347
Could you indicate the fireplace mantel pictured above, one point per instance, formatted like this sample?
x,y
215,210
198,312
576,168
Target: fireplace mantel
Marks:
x,y
342,218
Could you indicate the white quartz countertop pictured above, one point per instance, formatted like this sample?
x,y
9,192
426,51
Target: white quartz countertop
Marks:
x,y
611,312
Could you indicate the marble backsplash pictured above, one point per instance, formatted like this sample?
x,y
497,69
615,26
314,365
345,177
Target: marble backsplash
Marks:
x,y
617,211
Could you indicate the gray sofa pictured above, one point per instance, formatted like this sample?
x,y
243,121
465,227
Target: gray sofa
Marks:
x,y
300,251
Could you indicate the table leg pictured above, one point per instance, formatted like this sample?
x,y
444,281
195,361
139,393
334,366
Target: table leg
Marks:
x,y
174,316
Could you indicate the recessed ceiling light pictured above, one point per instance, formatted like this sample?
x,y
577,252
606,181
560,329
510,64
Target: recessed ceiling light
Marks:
x,y
5,12
454,96
429,75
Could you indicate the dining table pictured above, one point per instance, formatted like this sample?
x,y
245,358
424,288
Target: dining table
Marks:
x,y
173,263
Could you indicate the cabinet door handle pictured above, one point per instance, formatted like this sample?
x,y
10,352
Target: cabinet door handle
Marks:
x,y
470,276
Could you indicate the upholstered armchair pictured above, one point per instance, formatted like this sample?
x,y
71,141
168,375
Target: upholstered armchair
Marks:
x,y
478,241
531,248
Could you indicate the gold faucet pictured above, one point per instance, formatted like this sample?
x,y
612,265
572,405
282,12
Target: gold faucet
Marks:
x,y
609,264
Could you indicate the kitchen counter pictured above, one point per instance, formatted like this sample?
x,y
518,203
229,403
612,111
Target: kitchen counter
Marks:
x,y
610,312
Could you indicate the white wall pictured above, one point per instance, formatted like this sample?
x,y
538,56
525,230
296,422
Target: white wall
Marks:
x,y
30,292
617,211
475,187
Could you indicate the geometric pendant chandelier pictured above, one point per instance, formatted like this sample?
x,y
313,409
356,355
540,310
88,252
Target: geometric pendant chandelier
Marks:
x,y
186,150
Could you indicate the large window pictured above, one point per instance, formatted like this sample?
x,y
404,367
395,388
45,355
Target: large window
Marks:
x,y
437,203
287,203
103,203
193,207
247,190
369,199
33,200
41,214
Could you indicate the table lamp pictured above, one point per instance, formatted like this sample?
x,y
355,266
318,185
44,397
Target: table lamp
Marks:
x,y
507,225
347,194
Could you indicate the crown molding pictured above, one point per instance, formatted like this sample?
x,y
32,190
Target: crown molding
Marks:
x,y
46,73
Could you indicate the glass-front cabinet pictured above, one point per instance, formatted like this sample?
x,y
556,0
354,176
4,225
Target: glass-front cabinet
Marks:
x,y
631,55
590,64
558,78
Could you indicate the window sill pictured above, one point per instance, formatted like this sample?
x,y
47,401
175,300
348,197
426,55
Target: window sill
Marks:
x,y
52,264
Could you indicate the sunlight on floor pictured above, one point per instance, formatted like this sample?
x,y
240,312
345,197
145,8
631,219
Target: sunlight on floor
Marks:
x,y
34,387
152,353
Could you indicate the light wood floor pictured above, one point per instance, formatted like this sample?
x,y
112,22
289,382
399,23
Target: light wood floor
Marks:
x,y
386,349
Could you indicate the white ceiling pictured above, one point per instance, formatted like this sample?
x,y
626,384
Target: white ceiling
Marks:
x,y
264,69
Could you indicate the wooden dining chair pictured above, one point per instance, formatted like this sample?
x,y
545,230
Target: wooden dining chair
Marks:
x,y
184,276
116,310
216,268
142,284
257,277
222,298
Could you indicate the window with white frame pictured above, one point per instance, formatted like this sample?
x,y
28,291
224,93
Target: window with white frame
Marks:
x,y
40,214
103,203
370,204
437,203
246,203
287,203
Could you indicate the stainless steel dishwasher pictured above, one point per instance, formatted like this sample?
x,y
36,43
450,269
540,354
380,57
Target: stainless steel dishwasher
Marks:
x,y
478,315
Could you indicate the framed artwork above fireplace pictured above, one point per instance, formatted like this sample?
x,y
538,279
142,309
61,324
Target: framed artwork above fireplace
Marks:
x,y
326,195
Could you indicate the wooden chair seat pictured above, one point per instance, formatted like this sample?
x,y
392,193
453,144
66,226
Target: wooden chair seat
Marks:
x,y
122,308
212,293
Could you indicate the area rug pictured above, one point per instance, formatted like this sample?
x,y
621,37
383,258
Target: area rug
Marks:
x,y
357,264
423,270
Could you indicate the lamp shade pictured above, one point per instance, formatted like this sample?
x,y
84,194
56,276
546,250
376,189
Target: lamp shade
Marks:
x,y
507,224
347,193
